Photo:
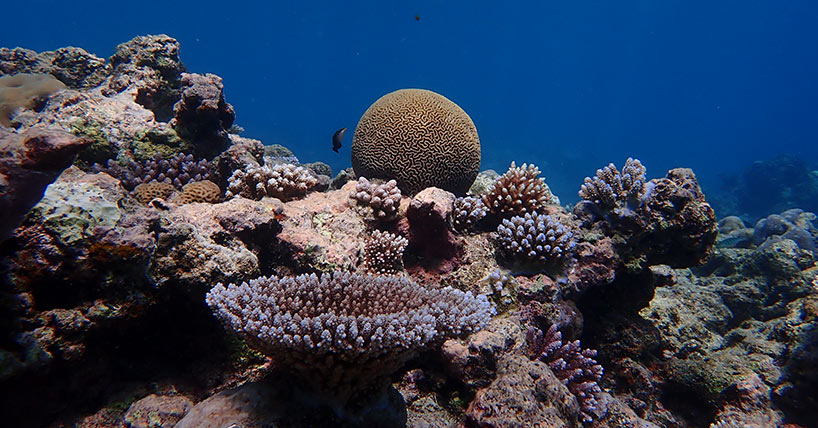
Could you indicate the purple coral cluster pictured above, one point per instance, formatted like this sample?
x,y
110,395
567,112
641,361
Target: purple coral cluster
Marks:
x,y
467,211
383,199
342,331
536,237
178,170
574,366
610,188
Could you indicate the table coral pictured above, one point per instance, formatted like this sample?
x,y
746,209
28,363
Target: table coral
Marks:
x,y
342,332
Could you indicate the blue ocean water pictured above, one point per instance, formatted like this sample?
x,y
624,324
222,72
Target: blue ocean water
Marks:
x,y
569,86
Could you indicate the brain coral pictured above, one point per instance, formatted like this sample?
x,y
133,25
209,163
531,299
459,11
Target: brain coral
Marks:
x,y
420,139
24,90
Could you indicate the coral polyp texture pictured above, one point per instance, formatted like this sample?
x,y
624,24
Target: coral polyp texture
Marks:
x,y
341,332
383,198
419,138
467,212
283,181
610,188
520,190
199,191
24,90
383,253
536,238
576,367
147,192
177,170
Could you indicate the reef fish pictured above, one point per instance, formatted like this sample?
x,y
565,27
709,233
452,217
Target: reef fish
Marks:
x,y
336,139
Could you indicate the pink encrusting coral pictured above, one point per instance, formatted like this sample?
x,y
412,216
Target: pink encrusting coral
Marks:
x,y
342,332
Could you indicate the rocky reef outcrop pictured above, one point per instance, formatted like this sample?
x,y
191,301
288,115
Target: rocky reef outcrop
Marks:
x,y
145,217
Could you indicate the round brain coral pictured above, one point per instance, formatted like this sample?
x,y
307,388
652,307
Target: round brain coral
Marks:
x,y
420,139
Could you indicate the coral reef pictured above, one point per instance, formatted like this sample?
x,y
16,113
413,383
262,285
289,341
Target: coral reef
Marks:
x,y
383,199
199,191
420,139
574,366
611,189
24,90
341,332
467,211
30,161
519,191
697,322
383,253
284,181
178,171
536,237
201,115
149,191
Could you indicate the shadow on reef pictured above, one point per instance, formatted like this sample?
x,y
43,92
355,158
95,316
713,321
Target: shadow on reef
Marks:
x,y
117,363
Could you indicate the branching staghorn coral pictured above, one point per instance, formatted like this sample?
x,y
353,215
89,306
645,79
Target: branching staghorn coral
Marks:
x,y
520,190
178,170
283,181
466,213
610,188
383,199
574,366
343,333
383,253
536,237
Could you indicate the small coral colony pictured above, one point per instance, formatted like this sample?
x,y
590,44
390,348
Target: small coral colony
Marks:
x,y
343,329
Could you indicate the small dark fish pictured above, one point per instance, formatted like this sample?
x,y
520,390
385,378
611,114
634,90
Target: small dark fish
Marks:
x,y
417,17
336,139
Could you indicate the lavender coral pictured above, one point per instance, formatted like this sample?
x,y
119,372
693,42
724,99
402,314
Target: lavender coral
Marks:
x,y
520,190
178,171
383,199
535,237
610,188
574,366
383,253
283,181
467,211
342,332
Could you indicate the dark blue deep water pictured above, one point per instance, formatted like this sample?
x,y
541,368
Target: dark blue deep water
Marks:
x,y
569,86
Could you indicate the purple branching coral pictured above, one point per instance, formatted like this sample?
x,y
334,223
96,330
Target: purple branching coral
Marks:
x,y
383,199
343,333
178,171
520,190
467,211
610,188
574,366
283,181
536,238
383,253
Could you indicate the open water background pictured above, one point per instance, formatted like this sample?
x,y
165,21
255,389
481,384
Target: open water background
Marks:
x,y
569,86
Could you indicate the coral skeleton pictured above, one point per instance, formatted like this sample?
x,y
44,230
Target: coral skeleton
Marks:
x,y
610,188
383,253
383,199
283,181
466,213
574,366
520,190
535,237
342,332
